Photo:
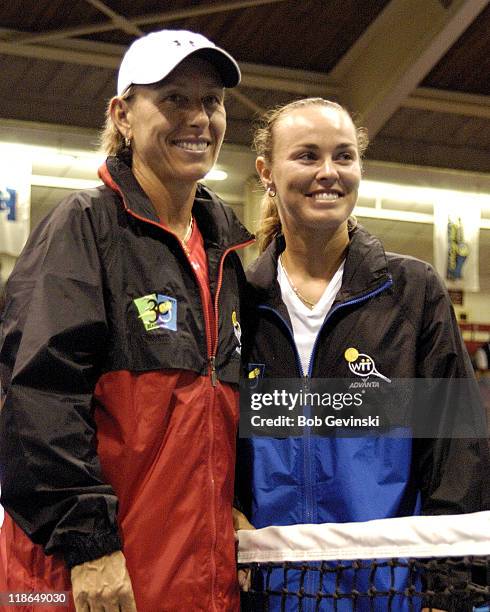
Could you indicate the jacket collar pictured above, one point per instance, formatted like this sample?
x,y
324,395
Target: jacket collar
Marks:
x,y
217,222
365,270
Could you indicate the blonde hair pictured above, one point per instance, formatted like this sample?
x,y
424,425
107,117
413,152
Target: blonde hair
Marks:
x,y
111,141
269,221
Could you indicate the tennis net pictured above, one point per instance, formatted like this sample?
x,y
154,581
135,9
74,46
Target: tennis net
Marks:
x,y
400,564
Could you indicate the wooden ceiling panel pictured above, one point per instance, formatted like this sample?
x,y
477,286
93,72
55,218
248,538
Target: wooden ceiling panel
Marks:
x,y
39,15
267,99
438,128
13,71
321,31
466,66
56,102
311,35
96,84
236,109
305,34
134,8
41,74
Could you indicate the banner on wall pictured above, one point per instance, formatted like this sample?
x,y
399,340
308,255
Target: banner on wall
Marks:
x,y
15,200
456,243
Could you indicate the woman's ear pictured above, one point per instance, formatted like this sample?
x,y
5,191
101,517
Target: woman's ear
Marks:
x,y
119,110
263,171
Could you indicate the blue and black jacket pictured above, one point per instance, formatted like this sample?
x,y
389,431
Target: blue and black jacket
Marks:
x,y
395,309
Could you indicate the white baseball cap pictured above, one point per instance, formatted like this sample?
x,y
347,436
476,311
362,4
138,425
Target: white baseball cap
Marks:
x,y
152,57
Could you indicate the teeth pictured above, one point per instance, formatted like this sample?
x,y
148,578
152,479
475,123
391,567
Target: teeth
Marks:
x,y
188,145
325,196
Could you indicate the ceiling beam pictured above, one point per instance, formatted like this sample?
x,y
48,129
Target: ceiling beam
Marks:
x,y
396,52
461,157
254,76
452,102
104,55
246,101
143,20
63,54
292,80
118,20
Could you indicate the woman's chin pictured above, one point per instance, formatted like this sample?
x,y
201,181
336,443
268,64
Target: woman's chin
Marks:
x,y
323,222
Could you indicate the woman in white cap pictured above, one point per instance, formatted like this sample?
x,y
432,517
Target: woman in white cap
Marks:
x,y
120,347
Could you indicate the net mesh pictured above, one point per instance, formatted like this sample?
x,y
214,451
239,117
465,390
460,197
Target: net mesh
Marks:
x,y
326,580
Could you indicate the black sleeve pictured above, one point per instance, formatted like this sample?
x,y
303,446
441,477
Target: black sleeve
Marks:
x,y
52,339
453,474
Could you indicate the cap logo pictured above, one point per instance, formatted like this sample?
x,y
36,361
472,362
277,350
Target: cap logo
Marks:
x,y
179,44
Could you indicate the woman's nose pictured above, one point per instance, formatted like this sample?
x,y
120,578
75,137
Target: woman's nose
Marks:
x,y
328,170
198,115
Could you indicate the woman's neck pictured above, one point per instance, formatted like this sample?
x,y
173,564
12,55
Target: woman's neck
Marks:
x,y
172,201
314,255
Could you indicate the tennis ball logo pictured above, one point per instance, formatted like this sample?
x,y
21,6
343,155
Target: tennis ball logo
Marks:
x,y
359,363
255,373
165,311
362,364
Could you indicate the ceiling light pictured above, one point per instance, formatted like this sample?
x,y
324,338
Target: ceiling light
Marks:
x,y
411,193
216,175
88,161
61,182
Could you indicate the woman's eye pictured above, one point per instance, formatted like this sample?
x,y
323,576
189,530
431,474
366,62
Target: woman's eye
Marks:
x,y
175,98
346,155
307,155
212,100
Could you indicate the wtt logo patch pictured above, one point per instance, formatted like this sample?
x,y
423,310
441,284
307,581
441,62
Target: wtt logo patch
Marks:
x,y
362,364
157,311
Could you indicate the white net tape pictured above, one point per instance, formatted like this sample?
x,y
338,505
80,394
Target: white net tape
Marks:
x,y
415,536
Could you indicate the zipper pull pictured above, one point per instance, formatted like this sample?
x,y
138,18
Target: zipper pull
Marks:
x,y
212,366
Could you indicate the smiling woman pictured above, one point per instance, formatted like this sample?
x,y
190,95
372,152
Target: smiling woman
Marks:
x,y
316,168
175,129
326,296
120,366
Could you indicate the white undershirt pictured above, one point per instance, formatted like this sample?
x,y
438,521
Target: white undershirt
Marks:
x,y
307,322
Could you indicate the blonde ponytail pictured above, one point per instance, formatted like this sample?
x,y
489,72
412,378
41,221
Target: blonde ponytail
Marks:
x,y
269,222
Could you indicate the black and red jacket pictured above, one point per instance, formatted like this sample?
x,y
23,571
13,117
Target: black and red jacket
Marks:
x,y
115,434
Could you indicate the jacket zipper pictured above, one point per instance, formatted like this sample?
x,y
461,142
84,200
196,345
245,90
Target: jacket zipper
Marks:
x,y
211,351
211,354
299,367
307,461
214,381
